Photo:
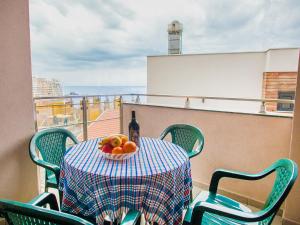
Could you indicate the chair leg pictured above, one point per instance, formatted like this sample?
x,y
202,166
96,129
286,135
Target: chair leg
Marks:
x,y
45,190
107,222
46,185
60,193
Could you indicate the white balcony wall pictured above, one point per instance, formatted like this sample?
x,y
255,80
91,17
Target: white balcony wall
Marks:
x,y
292,214
282,60
18,177
237,141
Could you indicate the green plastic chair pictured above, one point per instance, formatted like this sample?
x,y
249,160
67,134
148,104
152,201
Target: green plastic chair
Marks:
x,y
33,213
51,144
212,208
186,137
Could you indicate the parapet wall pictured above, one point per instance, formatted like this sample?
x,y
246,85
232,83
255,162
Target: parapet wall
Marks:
x,y
236,141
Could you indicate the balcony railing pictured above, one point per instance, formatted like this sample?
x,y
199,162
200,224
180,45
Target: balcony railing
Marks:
x,y
90,116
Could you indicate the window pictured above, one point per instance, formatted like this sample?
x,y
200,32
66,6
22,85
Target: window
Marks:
x,y
290,95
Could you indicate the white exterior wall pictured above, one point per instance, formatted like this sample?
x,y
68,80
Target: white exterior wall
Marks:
x,y
282,60
18,174
237,75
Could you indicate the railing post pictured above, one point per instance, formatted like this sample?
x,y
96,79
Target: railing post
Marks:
x,y
137,100
187,102
203,100
84,118
262,107
132,98
106,103
115,102
121,114
35,117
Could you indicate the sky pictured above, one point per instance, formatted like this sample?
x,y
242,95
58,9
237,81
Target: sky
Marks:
x,y
106,42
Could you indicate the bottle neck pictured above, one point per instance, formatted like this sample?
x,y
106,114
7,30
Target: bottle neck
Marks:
x,y
133,115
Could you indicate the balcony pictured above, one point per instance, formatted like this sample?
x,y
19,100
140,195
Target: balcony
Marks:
x,y
237,140
244,140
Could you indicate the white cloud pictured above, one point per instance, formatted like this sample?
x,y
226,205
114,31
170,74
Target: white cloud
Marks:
x,y
106,42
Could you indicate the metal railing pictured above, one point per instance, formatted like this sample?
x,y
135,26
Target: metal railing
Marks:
x,y
74,110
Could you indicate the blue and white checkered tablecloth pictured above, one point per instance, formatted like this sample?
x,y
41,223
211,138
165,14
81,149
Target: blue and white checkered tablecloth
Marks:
x,y
156,181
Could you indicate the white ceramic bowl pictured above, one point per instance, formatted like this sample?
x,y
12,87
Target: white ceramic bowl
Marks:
x,y
119,156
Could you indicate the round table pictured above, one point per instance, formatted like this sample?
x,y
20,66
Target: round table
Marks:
x,y
156,181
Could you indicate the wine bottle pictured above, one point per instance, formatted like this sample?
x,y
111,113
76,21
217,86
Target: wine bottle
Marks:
x,y
134,130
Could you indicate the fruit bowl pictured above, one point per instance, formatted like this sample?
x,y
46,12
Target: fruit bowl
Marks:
x,y
119,156
117,147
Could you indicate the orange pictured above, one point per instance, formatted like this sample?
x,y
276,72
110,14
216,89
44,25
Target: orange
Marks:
x,y
129,146
117,150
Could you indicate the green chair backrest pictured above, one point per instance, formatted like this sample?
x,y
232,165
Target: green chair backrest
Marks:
x,y
17,213
51,144
185,136
286,173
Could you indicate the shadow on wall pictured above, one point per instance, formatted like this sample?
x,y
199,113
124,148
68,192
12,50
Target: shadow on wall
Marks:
x,y
18,174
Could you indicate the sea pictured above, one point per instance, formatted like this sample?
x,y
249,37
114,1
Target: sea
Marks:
x,y
106,90
103,90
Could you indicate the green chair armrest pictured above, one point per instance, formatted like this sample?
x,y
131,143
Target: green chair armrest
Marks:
x,y
34,157
48,165
132,217
72,136
42,213
202,207
220,173
54,168
44,199
195,151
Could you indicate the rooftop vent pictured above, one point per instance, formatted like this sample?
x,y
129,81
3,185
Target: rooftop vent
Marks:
x,y
175,37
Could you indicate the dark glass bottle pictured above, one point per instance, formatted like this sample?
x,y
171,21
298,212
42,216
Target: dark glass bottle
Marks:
x,y
134,130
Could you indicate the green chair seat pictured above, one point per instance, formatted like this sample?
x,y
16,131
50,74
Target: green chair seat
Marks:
x,y
186,136
209,218
220,200
212,208
52,145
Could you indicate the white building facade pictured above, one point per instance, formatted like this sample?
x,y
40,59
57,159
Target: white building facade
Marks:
x,y
233,75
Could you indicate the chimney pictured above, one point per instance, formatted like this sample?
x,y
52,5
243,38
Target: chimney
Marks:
x,y
175,38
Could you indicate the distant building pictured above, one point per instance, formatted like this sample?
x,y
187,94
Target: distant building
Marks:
x,y
175,37
46,87
270,74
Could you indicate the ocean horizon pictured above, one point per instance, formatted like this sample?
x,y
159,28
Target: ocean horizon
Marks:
x,y
103,90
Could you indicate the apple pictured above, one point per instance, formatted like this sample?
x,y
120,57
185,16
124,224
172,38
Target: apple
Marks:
x,y
115,141
107,148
